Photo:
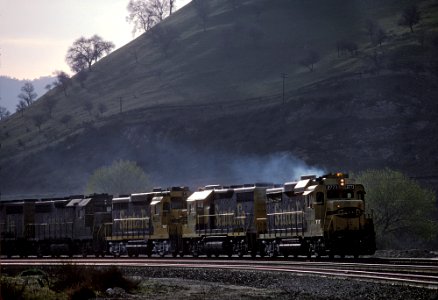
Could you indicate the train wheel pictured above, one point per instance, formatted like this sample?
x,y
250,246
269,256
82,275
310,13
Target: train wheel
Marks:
x,y
181,254
174,254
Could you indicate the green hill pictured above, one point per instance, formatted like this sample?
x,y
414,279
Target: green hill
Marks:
x,y
195,106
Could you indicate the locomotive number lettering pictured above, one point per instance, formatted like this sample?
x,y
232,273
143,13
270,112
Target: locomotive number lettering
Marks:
x,y
331,187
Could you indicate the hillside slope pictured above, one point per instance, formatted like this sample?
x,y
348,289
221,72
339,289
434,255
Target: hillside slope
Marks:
x,y
195,106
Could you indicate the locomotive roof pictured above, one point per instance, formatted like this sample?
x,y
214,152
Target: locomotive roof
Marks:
x,y
156,200
121,199
199,195
79,202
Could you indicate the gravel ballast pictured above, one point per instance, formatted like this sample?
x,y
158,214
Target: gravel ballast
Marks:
x,y
177,283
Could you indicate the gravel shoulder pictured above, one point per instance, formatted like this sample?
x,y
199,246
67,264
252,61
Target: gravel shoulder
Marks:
x,y
179,283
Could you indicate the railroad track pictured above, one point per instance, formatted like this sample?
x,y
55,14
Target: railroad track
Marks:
x,y
420,273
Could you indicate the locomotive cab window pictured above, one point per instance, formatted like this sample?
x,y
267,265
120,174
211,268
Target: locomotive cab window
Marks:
x,y
177,203
156,209
320,198
166,207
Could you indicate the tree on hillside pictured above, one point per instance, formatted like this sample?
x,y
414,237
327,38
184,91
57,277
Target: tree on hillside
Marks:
x,y
38,120
122,177
202,9
310,59
62,80
27,94
84,52
21,106
49,104
171,6
410,17
4,113
403,210
145,14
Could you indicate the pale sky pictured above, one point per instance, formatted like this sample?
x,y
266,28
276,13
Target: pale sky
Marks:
x,y
35,34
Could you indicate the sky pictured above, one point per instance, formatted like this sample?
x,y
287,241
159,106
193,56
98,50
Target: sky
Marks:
x,y
36,34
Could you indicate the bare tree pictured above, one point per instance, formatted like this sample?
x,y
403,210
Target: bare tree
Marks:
x,y
410,17
62,80
21,106
145,14
84,52
160,8
4,113
202,8
310,59
27,94
171,6
140,15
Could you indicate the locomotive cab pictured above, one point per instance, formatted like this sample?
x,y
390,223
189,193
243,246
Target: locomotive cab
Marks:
x,y
347,229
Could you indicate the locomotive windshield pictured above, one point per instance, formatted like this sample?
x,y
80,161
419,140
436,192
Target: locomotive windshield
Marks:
x,y
340,194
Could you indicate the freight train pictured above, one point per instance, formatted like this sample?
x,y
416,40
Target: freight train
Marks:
x,y
320,216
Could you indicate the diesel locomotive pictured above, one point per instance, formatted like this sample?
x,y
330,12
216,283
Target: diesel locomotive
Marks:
x,y
321,216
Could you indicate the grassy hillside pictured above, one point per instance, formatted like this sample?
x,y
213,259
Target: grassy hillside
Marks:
x,y
179,92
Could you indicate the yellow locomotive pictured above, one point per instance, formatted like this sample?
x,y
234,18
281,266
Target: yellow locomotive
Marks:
x,y
321,216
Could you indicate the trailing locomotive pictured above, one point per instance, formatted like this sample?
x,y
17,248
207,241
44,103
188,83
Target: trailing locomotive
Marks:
x,y
322,216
